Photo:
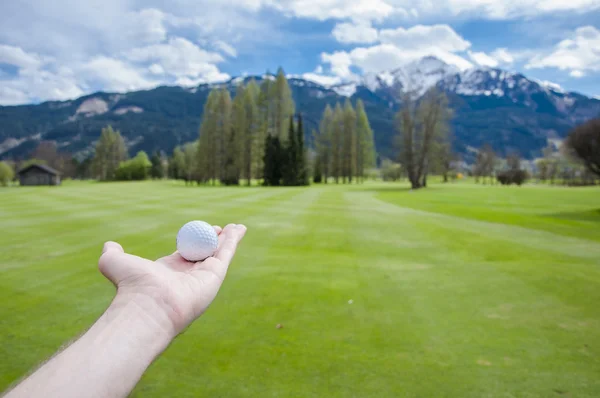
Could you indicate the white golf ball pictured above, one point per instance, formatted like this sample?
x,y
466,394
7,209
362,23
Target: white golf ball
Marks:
x,y
196,241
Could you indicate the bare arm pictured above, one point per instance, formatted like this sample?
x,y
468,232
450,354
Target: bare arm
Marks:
x,y
155,301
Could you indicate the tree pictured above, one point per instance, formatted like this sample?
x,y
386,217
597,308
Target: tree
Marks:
x,y
253,141
445,157
317,168
336,143
110,152
83,169
190,156
239,152
584,142
177,164
208,142
418,126
366,145
551,163
273,161
282,104
157,171
290,169
349,143
514,174
231,175
390,171
135,169
48,153
323,143
485,163
301,167
264,126
6,174
223,131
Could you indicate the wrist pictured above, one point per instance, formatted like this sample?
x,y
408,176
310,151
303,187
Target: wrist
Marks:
x,y
145,312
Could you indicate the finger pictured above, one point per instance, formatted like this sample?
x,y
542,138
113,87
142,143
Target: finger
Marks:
x,y
218,229
109,246
219,263
228,241
111,251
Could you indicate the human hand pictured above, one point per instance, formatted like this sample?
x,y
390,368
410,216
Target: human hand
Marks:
x,y
172,291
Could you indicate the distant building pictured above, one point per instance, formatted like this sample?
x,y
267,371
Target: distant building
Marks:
x,y
38,174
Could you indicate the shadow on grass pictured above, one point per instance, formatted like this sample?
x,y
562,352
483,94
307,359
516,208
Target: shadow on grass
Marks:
x,y
398,189
587,215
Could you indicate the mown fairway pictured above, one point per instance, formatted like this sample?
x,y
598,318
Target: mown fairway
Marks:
x,y
458,290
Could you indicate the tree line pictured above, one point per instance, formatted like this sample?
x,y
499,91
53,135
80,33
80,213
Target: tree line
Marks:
x,y
259,136
344,144
424,146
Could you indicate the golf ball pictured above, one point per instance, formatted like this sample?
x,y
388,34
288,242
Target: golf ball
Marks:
x,y
196,241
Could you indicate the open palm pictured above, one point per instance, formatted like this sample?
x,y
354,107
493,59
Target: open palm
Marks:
x,y
183,290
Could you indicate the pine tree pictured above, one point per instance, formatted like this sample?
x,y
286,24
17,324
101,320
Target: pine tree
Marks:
x,y
323,142
349,142
223,132
177,164
235,147
336,143
366,145
110,152
264,126
253,141
282,103
190,155
207,153
290,170
157,171
302,175
231,167
273,161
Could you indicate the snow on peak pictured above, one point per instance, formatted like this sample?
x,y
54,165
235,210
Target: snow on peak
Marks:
x,y
419,76
551,86
345,90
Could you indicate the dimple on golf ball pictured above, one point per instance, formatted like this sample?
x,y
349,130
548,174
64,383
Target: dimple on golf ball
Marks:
x,y
196,241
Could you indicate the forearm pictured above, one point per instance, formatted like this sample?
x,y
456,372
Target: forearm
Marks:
x,y
109,359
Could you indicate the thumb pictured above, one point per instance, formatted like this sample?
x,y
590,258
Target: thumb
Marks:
x,y
107,264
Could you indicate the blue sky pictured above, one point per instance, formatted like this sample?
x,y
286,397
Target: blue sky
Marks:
x,y
67,48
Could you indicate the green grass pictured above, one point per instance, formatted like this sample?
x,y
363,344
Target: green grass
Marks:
x,y
458,290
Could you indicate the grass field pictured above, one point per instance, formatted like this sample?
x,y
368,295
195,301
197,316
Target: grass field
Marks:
x,y
457,290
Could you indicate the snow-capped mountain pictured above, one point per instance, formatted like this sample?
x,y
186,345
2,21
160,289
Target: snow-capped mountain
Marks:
x,y
507,110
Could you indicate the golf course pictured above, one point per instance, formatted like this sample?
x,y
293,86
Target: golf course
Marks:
x,y
372,290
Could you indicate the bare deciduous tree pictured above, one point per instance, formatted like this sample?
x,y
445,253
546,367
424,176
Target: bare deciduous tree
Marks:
x,y
584,142
419,126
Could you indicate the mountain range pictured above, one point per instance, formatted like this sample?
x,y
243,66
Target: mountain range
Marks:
x,y
507,110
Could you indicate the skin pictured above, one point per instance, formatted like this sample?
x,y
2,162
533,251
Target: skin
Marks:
x,y
155,301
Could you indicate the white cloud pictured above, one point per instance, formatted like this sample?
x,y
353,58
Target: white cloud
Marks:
x,y
181,58
323,80
340,62
156,69
578,53
419,37
576,73
400,46
502,55
17,57
226,48
114,75
336,9
482,59
494,9
359,32
12,96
